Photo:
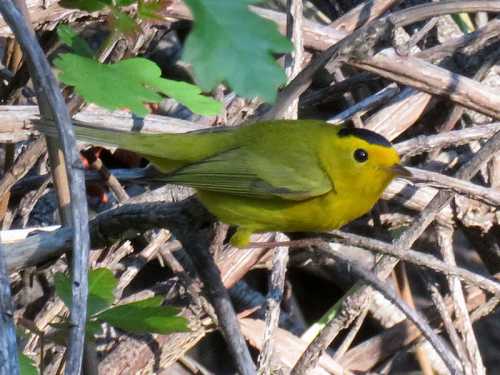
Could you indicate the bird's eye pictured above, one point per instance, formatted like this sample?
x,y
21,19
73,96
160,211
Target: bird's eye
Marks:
x,y
360,155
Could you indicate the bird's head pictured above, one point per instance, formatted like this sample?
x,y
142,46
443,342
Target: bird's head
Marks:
x,y
365,161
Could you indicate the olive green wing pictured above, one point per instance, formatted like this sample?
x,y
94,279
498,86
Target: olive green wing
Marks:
x,y
243,172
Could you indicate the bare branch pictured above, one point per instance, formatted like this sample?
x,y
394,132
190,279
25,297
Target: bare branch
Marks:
x,y
48,92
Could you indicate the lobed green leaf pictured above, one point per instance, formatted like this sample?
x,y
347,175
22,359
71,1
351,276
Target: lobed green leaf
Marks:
x,y
145,316
102,284
232,44
129,84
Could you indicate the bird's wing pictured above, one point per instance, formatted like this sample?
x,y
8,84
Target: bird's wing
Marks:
x,y
243,172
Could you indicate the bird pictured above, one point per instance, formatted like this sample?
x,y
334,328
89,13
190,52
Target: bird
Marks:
x,y
270,176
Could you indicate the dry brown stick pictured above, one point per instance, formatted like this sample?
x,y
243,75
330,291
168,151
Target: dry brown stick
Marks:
x,y
488,195
445,235
432,79
143,257
422,143
110,180
293,64
404,288
273,306
452,363
358,296
362,41
346,344
365,104
23,165
412,256
367,354
450,327
293,61
52,106
364,12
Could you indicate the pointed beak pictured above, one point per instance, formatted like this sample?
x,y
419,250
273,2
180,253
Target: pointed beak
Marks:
x,y
401,171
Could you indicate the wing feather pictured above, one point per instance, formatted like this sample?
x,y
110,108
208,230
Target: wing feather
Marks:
x,y
234,172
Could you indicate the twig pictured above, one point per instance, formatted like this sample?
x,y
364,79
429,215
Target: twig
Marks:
x,y
8,347
424,76
293,61
409,255
273,302
22,165
362,41
365,104
422,355
450,327
48,92
293,64
143,257
388,292
441,181
367,354
422,143
445,238
346,344
201,256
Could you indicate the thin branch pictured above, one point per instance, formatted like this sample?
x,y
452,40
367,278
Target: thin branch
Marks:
x,y
422,143
366,104
362,41
445,241
388,292
273,302
48,92
200,252
449,327
8,347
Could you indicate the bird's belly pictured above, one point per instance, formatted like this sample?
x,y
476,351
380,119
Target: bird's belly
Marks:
x,y
326,212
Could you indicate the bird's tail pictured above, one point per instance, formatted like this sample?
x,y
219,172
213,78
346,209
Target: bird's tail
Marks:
x,y
161,149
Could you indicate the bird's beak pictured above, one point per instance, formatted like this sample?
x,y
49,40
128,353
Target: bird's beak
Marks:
x,y
399,170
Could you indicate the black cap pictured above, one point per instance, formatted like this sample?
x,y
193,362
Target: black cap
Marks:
x,y
366,135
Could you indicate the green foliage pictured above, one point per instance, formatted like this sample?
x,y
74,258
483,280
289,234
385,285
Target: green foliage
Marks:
x,y
26,366
150,10
102,283
69,37
147,315
143,316
129,84
122,22
230,43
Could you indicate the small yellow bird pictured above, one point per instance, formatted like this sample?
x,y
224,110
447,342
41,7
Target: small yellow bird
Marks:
x,y
286,176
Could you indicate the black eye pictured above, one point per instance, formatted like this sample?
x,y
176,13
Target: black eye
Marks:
x,y
360,155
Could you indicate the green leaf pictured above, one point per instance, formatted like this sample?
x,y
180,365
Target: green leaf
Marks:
x,y
123,23
151,10
145,316
128,84
69,37
26,365
63,288
92,328
230,43
189,95
87,5
102,283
